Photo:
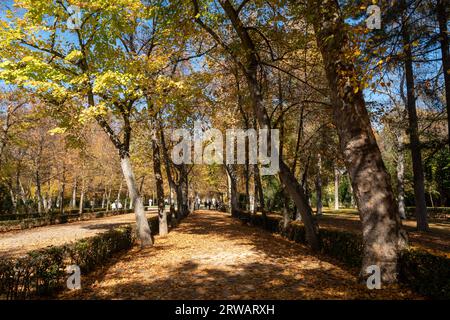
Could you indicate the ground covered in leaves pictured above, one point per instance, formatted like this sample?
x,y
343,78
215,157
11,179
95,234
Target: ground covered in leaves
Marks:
x,y
212,256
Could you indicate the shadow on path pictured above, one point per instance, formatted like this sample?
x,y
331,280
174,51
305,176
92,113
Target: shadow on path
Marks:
x,y
211,256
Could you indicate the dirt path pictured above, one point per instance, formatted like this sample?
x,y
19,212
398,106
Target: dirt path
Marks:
x,y
16,243
211,256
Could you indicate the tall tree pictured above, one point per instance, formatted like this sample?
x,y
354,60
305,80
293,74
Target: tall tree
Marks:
x,y
383,236
413,128
248,63
442,7
89,67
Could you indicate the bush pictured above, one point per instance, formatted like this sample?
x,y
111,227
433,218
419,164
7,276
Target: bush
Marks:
x,y
433,212
424,272
271,223
344,246
92,252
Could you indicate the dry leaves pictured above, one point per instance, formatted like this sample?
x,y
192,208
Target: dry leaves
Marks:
x,y
211,256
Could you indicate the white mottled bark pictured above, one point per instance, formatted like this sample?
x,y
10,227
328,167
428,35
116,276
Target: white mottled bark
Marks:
x,y
400,178
143,228
336,188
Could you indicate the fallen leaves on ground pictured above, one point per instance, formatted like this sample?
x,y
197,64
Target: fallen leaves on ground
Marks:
x,y
211,256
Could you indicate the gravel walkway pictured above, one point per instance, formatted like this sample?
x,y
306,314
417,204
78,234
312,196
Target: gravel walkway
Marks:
x,y
16,243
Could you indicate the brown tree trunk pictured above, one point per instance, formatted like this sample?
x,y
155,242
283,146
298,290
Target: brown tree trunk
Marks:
x,y
442,17
249,67
286,214
162,214
63,190
103,199
296,193
108,198
232,190
184,183
413,130
119,194
73,204
319,204
38,191
336,188
383,237
83,186
259,193
172,185
400,177
247,181
245,118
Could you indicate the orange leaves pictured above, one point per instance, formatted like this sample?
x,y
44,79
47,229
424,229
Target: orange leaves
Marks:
x,y
211,256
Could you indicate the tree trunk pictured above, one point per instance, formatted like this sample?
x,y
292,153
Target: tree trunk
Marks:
x,y
179,196
172,184
63,190
413,130
83,187
184,183
336,188
383,236
173,212
232,190
442,17
162,214
13,200
247,182
143,229
400,178
38,191
108,198
352,197
247,167
319,204
103,199
125,203
4,136
286,175
119,193
259,192
286,215
73,204
23,196
296,192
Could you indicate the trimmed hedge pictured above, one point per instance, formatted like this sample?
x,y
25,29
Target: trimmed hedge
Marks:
x,y
56,219
56,212
433,212
424,272
42,272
